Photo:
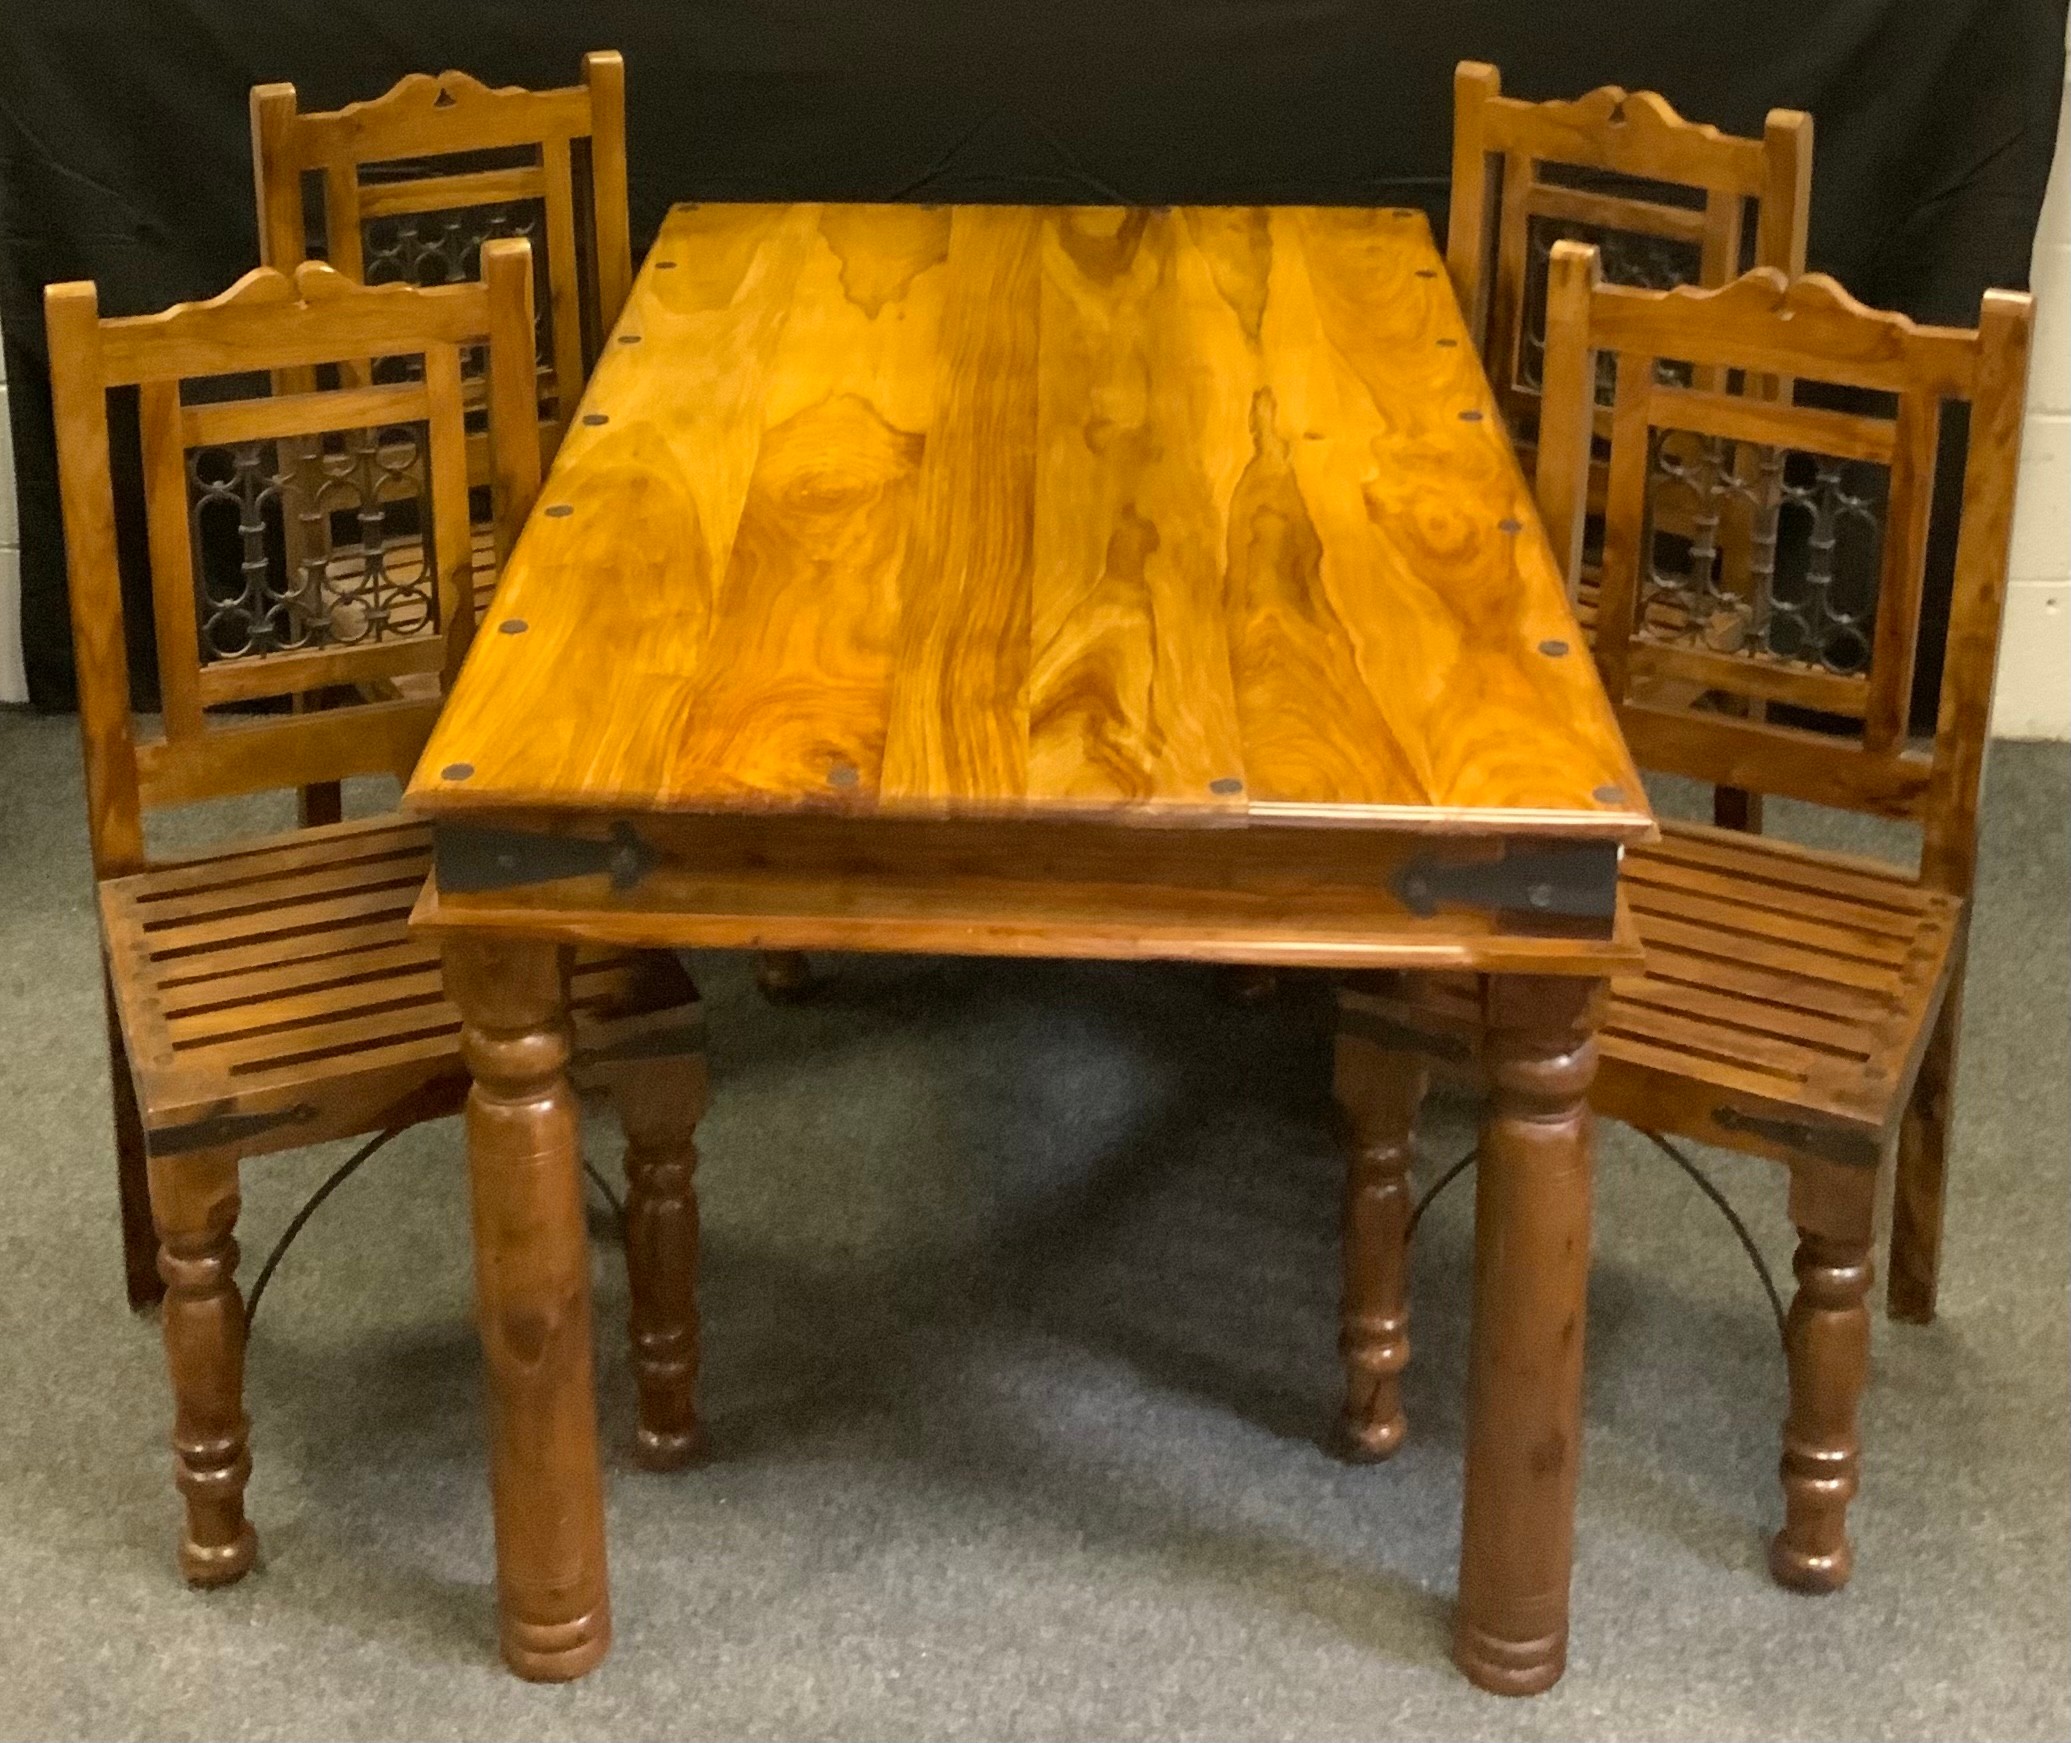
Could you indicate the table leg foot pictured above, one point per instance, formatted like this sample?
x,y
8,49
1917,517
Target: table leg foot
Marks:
x,y
557,1652
532,1291
1531,1279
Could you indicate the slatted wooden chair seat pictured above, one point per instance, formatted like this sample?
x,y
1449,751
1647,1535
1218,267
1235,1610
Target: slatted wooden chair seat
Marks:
x,y
311,545
1795,1005
1787,997
273,996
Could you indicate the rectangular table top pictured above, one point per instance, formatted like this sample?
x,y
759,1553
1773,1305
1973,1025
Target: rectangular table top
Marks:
x,y
1064,512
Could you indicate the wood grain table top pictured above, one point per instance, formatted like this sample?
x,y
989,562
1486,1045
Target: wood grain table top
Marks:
x,y
1051,513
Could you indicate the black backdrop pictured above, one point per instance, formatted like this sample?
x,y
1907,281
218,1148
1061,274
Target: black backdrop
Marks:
x,y
124,156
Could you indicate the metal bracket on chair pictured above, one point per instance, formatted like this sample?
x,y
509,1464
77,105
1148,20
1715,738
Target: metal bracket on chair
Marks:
x,y
1829,1143
222,1130
471,859
1569,880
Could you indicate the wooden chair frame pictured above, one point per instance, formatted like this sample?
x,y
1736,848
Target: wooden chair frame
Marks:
x,y
449,115
1796,1005
267,318
233,1028
1637,136
1807,328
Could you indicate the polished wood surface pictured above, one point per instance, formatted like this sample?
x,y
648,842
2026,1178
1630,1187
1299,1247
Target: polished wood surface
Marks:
x,y
1010,512
1796,1005
1524,1359
532,1294
999,581
265,994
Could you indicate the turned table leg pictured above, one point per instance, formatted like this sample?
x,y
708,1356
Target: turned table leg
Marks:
x,y
194,1202
1531,1281
532,1289
1378,1091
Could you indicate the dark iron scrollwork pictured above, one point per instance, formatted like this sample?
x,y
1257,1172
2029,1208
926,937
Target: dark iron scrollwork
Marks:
x,y
311,542
1774,553
445,247
1630,257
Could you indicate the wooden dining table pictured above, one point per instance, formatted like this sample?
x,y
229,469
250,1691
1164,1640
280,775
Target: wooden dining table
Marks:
x,y
1101,582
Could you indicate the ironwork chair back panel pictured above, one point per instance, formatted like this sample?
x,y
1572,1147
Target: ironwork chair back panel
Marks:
x,y
312,541
303,546
1666,201
415,182
1771,551
1811,536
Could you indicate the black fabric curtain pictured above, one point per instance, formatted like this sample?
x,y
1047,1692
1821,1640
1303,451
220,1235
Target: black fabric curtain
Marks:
x,y
124,155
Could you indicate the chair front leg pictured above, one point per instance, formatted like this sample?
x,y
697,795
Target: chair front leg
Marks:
x,y
194,1203
1378,1092
1827,1344
660,1102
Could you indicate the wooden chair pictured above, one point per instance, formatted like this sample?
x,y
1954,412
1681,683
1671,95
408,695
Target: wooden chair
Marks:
x,y
391,212
1796,1005
268,995
1664,200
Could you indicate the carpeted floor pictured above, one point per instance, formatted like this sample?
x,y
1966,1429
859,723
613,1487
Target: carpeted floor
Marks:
x,y
1019,1299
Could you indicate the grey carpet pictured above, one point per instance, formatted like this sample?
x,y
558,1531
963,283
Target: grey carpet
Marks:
x,y
1019,1323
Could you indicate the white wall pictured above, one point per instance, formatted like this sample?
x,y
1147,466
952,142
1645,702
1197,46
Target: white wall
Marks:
x,y
2034,695
13,686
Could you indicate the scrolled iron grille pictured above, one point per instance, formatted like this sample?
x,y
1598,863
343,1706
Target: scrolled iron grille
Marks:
x,y
1629,257
434,248
311,542
1774,552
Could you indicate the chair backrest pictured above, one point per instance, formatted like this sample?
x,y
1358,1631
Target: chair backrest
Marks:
x,y
1664,200
305,545
1834,508
392,212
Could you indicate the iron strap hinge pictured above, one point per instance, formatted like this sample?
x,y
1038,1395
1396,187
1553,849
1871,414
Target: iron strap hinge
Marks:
x,y
471,859
1568,880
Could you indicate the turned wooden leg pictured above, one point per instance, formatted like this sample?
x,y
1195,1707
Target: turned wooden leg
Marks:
x,y
194,1204
1378,1091
1923,1163
660,1102
1827,1341
532,1289
141,1280
1531,1283
782,975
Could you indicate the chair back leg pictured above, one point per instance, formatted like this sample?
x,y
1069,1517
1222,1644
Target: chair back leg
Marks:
x,y
145,1287
1923,1161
